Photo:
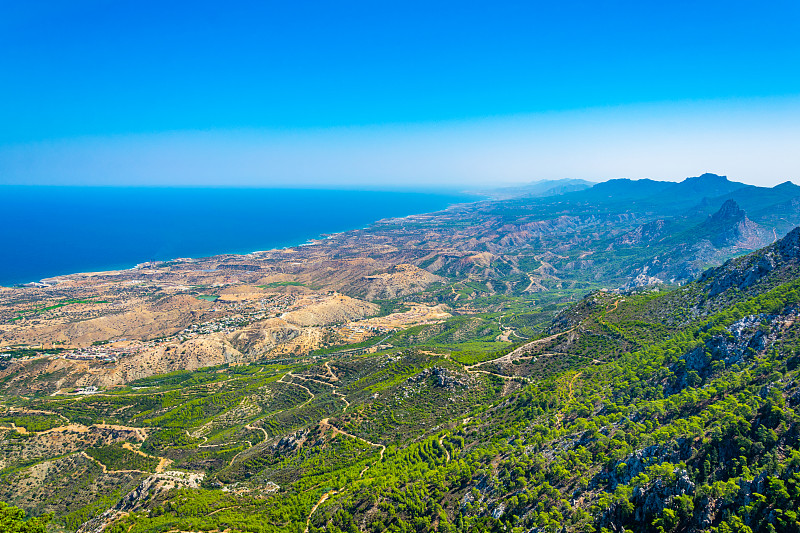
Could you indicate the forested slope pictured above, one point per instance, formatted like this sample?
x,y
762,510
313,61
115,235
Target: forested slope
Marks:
x,y
657,410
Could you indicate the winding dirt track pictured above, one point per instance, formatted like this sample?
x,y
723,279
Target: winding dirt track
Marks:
x,y
515,355
297,385
253,428
163,462
325,422
518,353
320,502
249,445
312,396
105,469
333,376
446,451
334,391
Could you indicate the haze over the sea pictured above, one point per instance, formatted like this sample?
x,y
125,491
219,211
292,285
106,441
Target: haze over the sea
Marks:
x,y
411,94
460,95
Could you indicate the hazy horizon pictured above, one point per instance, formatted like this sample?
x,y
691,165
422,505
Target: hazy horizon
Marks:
x,y
453,95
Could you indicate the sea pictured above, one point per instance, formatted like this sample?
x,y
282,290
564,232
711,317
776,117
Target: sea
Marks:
x,y
52,231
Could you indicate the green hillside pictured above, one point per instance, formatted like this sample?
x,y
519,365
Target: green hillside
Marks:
x,y
653,410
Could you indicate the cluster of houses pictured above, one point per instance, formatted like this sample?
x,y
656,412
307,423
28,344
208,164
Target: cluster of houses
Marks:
x,y
105,354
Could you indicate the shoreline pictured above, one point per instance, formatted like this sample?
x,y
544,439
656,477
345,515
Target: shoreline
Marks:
x,y
310,241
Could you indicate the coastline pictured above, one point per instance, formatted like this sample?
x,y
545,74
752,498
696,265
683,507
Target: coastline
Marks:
x,y
318,238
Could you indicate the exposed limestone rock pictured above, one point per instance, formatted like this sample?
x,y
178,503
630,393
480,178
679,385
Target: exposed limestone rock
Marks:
x,y
745,272
651,231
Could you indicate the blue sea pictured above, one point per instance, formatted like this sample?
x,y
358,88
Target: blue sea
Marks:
x,y
51,231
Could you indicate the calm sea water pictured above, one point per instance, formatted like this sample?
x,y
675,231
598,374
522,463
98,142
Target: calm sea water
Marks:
x,y
50,231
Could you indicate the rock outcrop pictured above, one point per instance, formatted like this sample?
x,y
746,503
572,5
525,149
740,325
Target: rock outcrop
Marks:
x,y
746,271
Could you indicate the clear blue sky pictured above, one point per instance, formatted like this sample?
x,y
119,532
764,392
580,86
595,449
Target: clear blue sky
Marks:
x,y
127,92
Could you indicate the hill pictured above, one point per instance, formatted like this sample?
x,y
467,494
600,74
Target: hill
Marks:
x,y
671,409
624,359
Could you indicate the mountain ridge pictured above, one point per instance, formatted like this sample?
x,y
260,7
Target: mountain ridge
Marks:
x,y
469,370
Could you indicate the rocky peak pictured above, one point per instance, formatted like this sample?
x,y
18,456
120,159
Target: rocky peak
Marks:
x,y
730,227
746,271
789,246
651,231
729,212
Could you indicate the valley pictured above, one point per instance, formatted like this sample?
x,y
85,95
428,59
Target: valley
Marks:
x,y
616,358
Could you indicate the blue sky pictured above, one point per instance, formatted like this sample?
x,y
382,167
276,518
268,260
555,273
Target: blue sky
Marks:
x,y
360,93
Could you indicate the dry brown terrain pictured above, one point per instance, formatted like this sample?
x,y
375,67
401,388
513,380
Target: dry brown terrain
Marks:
x,y
113,327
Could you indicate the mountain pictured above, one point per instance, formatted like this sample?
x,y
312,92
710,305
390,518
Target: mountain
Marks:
x,y
705,185
681,254
539,189
673,410
670,197
778,262
776,206
752,198
469,370
730,227
623,189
